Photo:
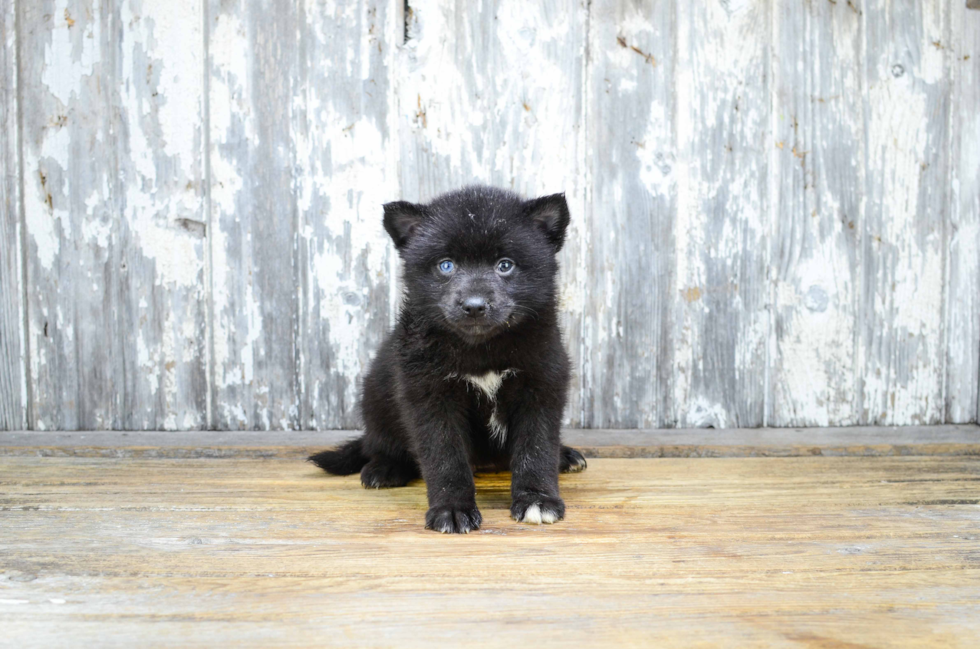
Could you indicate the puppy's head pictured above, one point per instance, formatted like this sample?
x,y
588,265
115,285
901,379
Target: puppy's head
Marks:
x,y
480,260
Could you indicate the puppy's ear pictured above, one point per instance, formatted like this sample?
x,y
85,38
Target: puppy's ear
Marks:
x,y
550,213
402,220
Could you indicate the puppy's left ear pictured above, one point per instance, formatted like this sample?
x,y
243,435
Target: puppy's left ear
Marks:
x,y
402,219
550,214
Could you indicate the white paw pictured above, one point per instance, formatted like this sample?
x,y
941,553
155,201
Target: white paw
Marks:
x,y
534,516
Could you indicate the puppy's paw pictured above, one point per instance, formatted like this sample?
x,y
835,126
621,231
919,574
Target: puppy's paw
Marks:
x,y
536,509
453,519
571,460
384,474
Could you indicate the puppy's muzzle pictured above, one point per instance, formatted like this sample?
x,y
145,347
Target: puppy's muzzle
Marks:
x,y
474,306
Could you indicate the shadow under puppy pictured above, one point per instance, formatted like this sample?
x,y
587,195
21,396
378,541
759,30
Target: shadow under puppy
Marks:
x,y
474,374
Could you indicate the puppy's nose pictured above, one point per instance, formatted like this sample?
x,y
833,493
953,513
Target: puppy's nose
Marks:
x,y
475,306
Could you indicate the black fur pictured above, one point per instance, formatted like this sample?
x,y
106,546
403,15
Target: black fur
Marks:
x,y
423,416
345,460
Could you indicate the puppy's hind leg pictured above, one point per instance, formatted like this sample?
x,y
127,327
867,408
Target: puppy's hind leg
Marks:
x,y
384,472
572,461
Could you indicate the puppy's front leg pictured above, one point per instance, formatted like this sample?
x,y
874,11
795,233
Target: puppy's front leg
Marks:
x,y
534,462
443,452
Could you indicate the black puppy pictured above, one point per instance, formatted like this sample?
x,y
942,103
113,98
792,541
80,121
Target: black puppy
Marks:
x,y
474,374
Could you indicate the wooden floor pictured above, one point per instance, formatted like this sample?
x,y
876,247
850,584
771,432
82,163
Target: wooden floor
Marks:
x,y
730,552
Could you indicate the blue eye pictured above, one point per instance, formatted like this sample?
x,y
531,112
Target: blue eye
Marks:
x,y
504,266
446,266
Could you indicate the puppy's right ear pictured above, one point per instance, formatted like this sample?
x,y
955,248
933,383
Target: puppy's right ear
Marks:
x,y
402,219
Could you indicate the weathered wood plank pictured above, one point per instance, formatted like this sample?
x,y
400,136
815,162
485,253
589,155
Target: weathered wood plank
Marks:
x,y
720,317
833,552
256,291
160,295
66,78
499,101
660,137
962,318
495,95
902,347
13,378
816,220
863,441
344,164
631,215
114,213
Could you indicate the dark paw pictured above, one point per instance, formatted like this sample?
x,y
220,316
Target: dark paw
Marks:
x,y
384,474
571,460
453,519
535,509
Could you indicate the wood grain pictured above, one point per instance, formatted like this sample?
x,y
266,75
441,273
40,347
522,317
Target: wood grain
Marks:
x,y
628,360
721,322
114,214
160,295
902,345
345,170
499,102
775,212
962,318
729,552
13,378
818,158
68,164
253,67
301,265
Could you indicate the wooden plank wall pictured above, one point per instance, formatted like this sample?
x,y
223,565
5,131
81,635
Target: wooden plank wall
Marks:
x,y
13,378
114,210
776,203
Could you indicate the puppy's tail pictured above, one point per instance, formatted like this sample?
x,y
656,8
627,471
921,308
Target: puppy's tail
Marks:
x,y
343,460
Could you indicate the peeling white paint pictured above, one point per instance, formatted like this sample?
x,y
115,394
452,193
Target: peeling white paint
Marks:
x,y
42,224
344,158
68,59
229,90
902,375
510,104
223,320
178,95
179,83
230,76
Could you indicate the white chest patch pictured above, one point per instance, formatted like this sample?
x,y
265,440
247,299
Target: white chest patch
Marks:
x,y
489,384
